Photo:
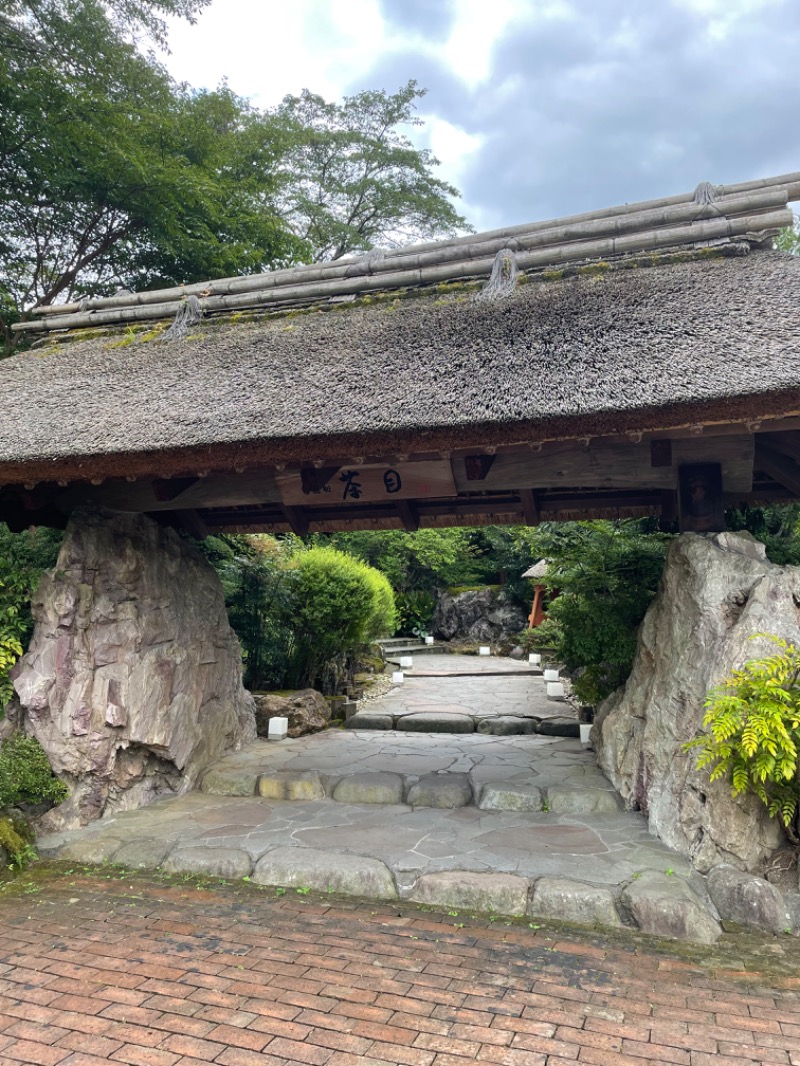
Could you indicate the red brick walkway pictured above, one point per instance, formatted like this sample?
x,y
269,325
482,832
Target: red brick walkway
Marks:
x,y
96,970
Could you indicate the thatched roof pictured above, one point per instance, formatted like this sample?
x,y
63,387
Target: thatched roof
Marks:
x,y
538,570
604,351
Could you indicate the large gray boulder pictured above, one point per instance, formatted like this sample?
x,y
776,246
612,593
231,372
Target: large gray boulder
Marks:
x,y
716,593
666,906
307,710
133,679
747,900
485,614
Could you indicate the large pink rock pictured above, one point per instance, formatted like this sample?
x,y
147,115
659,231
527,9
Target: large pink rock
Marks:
x,y
717,593
133,679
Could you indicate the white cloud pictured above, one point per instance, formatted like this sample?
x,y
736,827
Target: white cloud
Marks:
x,y
479,25
269,49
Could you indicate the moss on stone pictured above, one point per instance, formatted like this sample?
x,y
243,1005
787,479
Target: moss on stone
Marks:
x,y
595,269
11,841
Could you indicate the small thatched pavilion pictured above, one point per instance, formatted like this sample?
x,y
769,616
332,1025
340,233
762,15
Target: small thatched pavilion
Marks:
x,y
536,573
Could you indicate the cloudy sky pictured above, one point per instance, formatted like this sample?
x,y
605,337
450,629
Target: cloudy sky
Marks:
x,y
536,108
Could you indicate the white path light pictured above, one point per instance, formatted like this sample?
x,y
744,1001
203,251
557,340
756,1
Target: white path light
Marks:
x,y
551,675
398,677
278,728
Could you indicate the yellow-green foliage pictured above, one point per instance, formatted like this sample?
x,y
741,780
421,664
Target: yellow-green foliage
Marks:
x,y
26,775
339,603
594,269
753,723
12,842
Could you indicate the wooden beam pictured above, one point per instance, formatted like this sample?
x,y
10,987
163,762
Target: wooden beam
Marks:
x,y
786,443
408,515
606,465
530,506
660,453
779,466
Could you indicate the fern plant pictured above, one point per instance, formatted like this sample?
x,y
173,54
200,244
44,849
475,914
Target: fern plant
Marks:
x,y
753,723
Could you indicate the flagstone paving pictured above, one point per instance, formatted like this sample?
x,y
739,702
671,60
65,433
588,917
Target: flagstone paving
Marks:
x,y
388,814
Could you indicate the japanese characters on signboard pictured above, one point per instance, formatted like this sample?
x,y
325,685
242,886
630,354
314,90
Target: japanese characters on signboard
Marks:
x,y
343,485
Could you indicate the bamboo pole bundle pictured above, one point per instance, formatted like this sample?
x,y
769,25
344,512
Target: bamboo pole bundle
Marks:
x,y
557,255
746,197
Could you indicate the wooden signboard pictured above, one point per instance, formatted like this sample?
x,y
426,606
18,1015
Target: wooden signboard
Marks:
x,y
342,485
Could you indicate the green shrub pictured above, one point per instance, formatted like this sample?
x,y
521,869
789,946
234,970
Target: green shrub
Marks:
x,y
605,575
23,558
258,594
414,612
338,604
753,719
25,774
776,526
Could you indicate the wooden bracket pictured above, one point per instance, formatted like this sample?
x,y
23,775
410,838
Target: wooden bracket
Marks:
x,y
168,489
478,466
778,465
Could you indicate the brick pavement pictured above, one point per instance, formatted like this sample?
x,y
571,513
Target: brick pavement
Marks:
x,y
113,968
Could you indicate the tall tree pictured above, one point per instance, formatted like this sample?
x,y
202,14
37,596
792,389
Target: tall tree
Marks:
x,y
110,173
352,179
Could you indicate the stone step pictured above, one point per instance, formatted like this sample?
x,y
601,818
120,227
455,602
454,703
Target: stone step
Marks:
x,y
500,725
423,670
446,790
392,654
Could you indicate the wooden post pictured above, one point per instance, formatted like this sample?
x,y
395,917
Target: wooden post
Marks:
x,y
536,616
702,505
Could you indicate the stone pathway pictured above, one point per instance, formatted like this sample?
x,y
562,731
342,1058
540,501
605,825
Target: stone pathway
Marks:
x,y
139,970
523,825
465,694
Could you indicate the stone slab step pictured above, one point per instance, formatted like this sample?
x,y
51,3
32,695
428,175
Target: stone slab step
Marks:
x,y
446,791
425,671
393,654
451,722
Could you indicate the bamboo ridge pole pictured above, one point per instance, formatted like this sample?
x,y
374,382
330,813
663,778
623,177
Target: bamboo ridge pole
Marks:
x,y
715,229
733,199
